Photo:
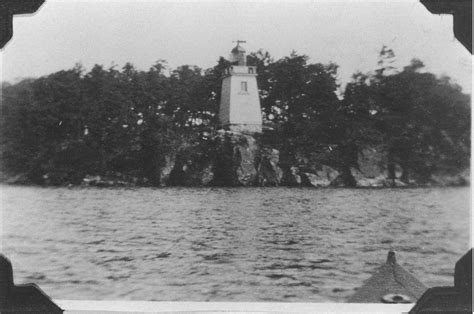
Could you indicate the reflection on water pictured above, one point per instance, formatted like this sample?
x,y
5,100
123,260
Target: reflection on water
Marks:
x,y
238,244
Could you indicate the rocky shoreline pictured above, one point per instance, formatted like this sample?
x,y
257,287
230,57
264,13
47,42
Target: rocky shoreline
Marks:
x,y
370,183
231,159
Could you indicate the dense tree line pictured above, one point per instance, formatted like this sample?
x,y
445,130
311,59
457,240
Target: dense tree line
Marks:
x,y
124,122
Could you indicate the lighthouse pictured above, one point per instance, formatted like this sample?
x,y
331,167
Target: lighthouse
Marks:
x,y
239,109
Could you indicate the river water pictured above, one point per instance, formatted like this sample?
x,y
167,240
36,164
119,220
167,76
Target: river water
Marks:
x,y
236,244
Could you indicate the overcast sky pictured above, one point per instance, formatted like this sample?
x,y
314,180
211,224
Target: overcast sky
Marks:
x,y
349,33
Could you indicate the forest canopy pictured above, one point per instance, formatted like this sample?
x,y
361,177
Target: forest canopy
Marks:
x,y
124,122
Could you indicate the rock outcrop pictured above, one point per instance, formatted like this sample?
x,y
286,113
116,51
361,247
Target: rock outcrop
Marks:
x,y
323,177
269,172
168,166
237,159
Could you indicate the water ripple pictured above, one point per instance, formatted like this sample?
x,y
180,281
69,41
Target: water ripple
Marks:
x,y
189,244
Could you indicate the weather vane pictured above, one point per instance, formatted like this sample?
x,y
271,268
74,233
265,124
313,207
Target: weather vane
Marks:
x,y
239,41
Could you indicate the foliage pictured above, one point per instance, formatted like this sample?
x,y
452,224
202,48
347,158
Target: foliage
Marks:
x,y
422,121
60,128
300,102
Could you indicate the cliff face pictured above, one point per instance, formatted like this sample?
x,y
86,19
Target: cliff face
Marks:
x,y
227,159
236,159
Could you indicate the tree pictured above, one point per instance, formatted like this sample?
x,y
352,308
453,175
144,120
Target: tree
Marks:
x,y
125,123
356,125
301,103
421,120
42,125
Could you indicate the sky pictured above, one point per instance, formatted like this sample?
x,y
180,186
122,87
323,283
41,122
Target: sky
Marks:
x,y
350,33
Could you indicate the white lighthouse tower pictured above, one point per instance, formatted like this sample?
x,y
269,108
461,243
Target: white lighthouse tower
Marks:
x,y
240,104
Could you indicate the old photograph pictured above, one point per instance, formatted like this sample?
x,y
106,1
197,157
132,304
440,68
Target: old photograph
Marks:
x,y
268,155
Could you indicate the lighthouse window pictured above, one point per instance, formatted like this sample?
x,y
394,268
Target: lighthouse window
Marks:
x,y
243,86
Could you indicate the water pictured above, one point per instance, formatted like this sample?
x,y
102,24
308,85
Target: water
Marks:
x,y
238,244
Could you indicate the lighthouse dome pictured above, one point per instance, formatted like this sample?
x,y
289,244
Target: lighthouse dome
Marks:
x,y
238,55
238,49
